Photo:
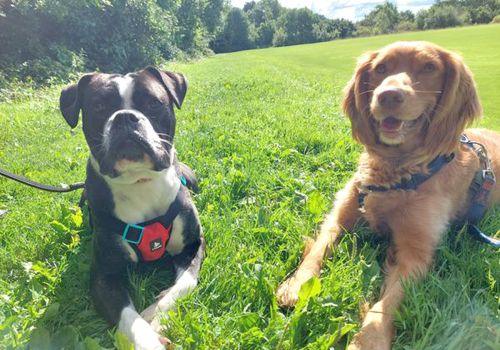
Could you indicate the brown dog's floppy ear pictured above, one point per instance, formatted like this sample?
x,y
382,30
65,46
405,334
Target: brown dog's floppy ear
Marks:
x,y
70,100
174,83
357,100
457,107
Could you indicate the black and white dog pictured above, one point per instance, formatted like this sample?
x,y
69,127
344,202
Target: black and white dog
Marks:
x,y
136,189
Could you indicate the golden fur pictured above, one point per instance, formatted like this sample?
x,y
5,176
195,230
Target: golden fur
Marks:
x,y
407,103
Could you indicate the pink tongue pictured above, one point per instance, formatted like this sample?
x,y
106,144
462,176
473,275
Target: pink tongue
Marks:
x,y
391,123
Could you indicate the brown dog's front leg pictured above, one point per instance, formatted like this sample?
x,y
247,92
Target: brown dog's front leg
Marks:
x,y
344,215
414,240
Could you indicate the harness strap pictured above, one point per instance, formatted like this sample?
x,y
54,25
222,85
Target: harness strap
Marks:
x,y
480,189
149,238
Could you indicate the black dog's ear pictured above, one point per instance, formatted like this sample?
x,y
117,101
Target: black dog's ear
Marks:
x,y
174,83
70,100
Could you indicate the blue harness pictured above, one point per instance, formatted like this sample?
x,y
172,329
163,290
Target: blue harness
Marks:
x,y
482,184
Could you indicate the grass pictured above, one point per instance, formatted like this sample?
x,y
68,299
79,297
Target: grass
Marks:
x,y
264,133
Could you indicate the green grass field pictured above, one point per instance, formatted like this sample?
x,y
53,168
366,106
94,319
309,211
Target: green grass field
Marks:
x,y
263,131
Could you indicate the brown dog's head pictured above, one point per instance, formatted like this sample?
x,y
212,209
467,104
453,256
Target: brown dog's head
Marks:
x,y
411,96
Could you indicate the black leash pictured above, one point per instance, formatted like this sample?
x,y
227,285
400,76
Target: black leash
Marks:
x,y
40,186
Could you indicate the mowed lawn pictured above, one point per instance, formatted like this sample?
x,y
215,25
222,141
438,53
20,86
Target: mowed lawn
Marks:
x,y
264,133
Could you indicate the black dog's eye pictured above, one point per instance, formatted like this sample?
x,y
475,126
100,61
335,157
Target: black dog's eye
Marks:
x,y
154,104
381,68
429,67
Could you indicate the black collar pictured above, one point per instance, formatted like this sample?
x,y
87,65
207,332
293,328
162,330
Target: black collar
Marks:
x,y
408,184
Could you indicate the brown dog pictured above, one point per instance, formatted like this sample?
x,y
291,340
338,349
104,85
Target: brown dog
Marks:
x,y
408,104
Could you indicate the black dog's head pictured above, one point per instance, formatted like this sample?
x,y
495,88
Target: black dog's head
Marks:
x,y
128,120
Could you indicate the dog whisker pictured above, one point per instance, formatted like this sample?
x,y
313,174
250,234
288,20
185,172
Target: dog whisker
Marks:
x,y
367,91
166,142
429,91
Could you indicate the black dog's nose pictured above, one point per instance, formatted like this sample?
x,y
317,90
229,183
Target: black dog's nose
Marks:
x,y
125,118
391,98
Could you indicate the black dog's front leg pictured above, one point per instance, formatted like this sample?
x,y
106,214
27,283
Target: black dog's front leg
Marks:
x,y
113,302
187,268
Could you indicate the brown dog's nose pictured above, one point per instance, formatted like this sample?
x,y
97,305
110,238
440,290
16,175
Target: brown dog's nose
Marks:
x,y
391,98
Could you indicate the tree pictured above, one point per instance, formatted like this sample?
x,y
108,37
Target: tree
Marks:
x,y
212,14
406,16
236,33
298,25
327,29
482,14
345,27
441,16
189,21
262,16
265,33
383,19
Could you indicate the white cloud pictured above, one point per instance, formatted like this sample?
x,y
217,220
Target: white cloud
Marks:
x,y
353,10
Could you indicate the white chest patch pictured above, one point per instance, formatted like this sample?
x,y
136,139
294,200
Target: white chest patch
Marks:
x,y
144,201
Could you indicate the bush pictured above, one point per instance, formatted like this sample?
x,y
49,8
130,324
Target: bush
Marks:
x,y
496,19
363,31
120,35
406,26
442,16
48,40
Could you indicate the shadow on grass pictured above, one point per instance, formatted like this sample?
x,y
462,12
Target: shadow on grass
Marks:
x,y
70,321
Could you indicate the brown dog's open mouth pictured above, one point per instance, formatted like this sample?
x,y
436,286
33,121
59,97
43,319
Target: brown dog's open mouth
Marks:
x,y
391,125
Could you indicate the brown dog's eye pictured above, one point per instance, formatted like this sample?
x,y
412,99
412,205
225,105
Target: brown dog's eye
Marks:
x,y
429,67
380,68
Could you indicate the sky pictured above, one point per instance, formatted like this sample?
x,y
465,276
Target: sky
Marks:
x,y
353,10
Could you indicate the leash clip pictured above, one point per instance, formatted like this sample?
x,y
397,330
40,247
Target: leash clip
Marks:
x,y
465,139
489,175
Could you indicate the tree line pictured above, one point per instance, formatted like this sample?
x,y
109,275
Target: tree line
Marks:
x,y
265,23
47,41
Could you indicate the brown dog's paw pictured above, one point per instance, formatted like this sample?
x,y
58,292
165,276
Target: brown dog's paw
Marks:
x,y
369,338
288,292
